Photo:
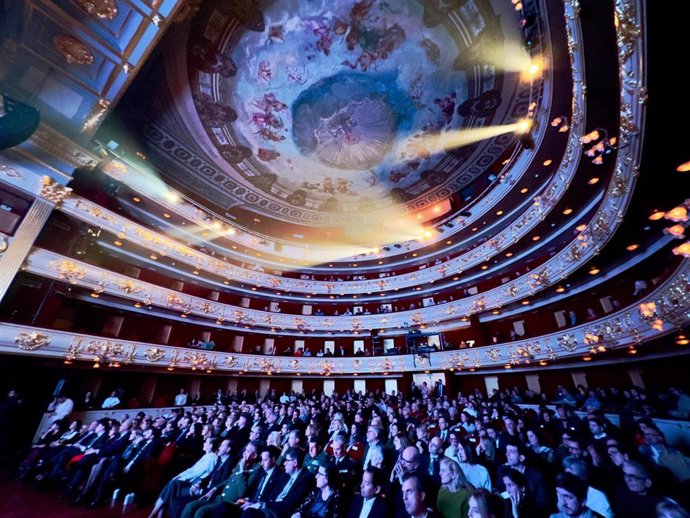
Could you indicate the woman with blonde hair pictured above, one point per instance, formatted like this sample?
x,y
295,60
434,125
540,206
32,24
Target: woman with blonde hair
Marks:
x,y
454,494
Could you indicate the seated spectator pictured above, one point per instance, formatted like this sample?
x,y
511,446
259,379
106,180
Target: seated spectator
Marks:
x,y
181,398
370,496
475,473
659,453
484,504
668,508
682,403
454,495
516,495
571,493
636,498
111,401
414,496
190,477
534,480
596,500
324,501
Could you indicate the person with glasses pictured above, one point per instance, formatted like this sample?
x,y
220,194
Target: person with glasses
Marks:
x,y
324,501
636,498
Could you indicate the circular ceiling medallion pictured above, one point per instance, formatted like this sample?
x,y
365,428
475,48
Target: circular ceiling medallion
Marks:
x,y
75,51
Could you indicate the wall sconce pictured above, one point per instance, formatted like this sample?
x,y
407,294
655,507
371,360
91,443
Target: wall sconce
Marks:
x,y
561,123
597,143
683,250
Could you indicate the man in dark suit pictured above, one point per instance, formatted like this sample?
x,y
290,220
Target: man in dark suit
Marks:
x,y
220,473
93,440
267,490
414,493
369,503
242,480
295,490
536,488
431,460
346,467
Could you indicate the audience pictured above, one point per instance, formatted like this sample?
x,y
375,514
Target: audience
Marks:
x,y
429,454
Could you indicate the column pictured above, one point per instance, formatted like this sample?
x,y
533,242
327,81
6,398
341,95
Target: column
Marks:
x,y
12,259
533,382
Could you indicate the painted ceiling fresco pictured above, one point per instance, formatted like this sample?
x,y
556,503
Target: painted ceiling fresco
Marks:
x,y
336,107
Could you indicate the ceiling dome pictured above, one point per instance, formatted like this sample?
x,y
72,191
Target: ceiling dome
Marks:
x,y
322,114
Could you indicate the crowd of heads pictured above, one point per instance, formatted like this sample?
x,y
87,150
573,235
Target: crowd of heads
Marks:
x,y
495,457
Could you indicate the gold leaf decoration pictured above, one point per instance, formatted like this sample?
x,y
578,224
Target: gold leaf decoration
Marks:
x,y
31,341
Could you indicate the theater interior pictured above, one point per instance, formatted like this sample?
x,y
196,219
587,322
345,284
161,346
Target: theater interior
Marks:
x,y
353,196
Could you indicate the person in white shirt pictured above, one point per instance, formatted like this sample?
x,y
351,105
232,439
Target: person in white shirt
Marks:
x,y
475,473
61,407
181,398
111,401
199,471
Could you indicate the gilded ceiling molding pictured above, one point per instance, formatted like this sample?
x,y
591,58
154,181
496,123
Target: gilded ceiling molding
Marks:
x,y
31,341
664,310
53,191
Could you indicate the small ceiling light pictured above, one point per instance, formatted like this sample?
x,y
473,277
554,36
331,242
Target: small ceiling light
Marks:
x,y
657,215
117,243
449,242
560,289
677,231
593,181
632,350
587,358
543,363
525,302
580,228
632,248
677,215
496,312
166,215
548,162
523,190
594,270
499,213
95,295
682,340
137,304
509,254
484,267
536,238
568,211
684,167
135,199
153,256
683,250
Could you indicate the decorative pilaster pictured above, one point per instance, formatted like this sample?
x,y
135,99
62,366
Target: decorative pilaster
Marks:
x,y
12,259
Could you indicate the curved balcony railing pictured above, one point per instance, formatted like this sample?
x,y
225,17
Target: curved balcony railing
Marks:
x,y
664,310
